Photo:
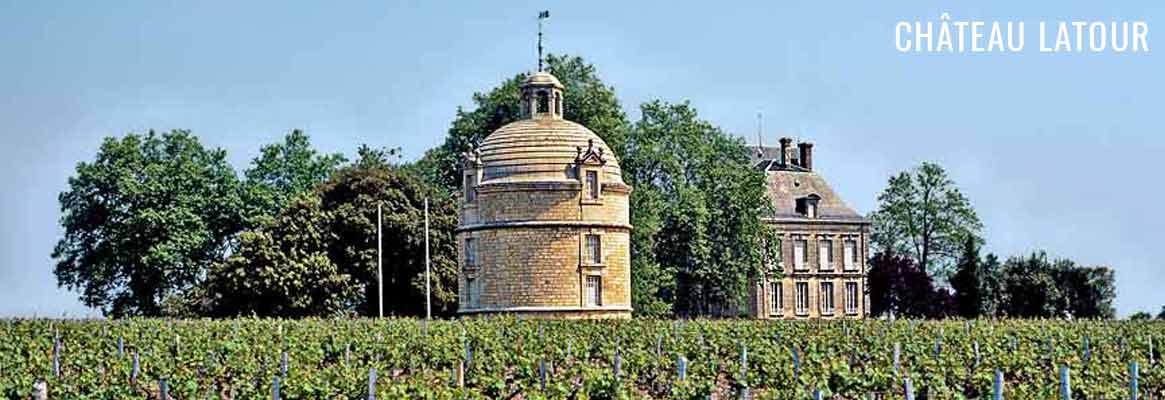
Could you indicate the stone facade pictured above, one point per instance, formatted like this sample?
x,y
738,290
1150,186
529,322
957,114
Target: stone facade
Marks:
x,y
824,243
545,229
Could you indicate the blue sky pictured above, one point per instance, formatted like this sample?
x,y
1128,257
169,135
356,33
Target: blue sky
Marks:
x,y
1056,151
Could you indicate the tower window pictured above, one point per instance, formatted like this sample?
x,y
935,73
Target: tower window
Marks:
x,y
470,252
470,192
594,249
594,290
543,102
593,184
472,293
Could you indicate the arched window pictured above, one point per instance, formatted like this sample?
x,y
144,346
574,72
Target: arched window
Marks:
x,y
543,102
558,104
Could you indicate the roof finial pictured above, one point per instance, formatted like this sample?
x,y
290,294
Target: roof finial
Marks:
x,y
541,16
760,144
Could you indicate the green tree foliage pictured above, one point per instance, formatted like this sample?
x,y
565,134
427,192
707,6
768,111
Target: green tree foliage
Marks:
x,y
144,220
283,171
587,101
1033,286
320,254
990,290
1161,315
283,269
1140,316
922,213
352,195
899,287
968,282
696,209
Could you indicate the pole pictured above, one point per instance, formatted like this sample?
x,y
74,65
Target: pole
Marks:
x,y
428,299
379,267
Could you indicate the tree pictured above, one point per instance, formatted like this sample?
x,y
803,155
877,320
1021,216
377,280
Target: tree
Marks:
x,y
319,257
281,172
283,270
352,195
991,281
968,281
1140,316
1087,292
899,287
922,213
697,211
1033,286
588,101
144,220
1161,315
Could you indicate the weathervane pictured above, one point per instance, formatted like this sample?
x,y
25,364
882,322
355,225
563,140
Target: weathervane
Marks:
x,y
541,16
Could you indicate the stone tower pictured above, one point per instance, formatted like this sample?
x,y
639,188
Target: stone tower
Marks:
x,y
545,229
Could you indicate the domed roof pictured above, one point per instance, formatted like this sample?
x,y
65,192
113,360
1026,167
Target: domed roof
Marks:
x,y
543,78
542,150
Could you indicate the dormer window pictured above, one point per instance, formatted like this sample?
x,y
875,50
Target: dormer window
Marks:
x,y
593,184
807,206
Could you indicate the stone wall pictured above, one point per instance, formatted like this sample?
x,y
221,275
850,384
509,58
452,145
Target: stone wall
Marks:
x,y
812,231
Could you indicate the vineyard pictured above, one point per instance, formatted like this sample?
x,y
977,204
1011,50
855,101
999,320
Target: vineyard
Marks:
x,y
511,358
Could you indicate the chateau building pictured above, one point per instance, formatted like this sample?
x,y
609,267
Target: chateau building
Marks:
x,y
544,227
823,242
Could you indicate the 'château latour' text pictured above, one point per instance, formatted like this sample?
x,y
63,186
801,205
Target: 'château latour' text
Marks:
x,y
947,36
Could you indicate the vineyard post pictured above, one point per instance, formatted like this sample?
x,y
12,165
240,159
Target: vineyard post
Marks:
x,y
682,367
977,357
56,356
1087,350
817,395
1151,359
164,389
120,346
542,374
897,356
40,390
908,389
998,391
1133,372
618,364
1065,384
796,362
372,383
133,376
275,388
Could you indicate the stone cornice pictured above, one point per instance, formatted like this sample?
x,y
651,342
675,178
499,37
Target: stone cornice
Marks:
x,y
542,224
550,309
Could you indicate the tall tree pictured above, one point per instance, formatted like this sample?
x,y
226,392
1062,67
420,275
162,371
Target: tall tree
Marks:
x,y
1087,292
968,282
990,289
1029,290
922,213
587,101
282,270
1161,315
697,211
899,287
283,171
144,220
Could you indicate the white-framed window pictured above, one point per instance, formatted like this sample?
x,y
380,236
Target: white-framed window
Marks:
x,y
799,246
472,292
825,254
594,290
470,252
592,184
826,297
802,297
594,249
851,297
470,191
811,209
849,254
777,298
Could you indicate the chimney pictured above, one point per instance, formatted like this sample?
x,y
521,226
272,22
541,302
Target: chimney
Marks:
x,y
806,155
785,159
